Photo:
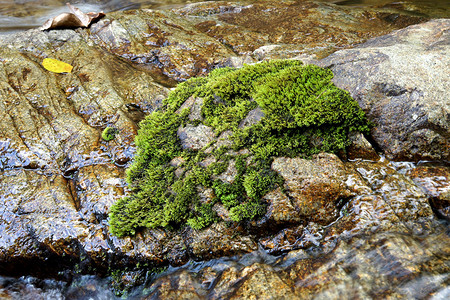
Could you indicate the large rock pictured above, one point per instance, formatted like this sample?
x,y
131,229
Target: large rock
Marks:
x,y
58,178
189,41
379,266
401,81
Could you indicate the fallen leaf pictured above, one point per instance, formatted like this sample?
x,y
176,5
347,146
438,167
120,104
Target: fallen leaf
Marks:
x,y
75,19
56,66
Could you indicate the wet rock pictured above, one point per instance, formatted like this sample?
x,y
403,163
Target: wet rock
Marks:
x,y
58,179
262,282
182,286
377,266
283,24
314,186
218,240
434,180
190,40
400,80
393,203
360,147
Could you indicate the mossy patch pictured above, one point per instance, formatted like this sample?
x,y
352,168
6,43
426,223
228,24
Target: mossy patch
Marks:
x,y
297,111
109,133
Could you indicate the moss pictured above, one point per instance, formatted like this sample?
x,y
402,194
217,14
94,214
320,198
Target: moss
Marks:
x,y
109,133
301,112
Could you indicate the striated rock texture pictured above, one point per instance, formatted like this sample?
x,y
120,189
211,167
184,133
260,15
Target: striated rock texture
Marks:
x,y
401,81
58,178
190,40
380,266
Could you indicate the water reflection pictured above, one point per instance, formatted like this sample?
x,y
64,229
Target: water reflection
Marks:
x,y
387,264
21,15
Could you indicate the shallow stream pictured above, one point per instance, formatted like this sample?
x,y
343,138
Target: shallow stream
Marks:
x,y
412,264
20,15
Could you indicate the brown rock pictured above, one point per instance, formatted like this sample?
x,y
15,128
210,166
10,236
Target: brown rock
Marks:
x,y
218,240
314,186
435,181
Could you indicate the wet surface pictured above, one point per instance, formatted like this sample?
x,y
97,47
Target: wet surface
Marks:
x,y
383,265
16,16
58,178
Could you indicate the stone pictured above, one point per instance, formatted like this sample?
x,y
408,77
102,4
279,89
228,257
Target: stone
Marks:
x,y
360,148
401,82
58,179
314,186
195,137
195,105
218,240
435,182
383,264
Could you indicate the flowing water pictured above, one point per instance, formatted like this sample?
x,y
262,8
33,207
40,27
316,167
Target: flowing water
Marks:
x,y
16,15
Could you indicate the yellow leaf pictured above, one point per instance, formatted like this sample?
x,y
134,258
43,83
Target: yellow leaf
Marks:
x,y
56,66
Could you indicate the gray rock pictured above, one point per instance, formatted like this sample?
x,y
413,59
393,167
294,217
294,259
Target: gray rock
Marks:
x,y
195,105
195,137
401,81
253,117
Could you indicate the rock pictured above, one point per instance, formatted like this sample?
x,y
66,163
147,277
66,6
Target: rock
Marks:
x,y
361,148
58,179
195,137
380,265
190,40
314,186
218,240
195,105
400,80
434,180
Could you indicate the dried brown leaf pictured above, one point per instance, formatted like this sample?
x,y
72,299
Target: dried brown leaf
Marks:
x,y
75,19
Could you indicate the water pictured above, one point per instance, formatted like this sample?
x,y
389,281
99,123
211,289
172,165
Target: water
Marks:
x,y
17,15
408,275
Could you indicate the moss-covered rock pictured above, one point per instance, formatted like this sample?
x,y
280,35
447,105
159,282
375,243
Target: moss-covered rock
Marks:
x,y
256,113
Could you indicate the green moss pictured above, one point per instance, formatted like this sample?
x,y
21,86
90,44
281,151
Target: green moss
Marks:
x,y
109,133
301,113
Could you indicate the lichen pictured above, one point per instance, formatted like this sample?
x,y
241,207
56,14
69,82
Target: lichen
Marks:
x,y
301,112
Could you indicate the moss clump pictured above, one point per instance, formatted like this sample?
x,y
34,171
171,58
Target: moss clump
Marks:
x,y
109,133
301,112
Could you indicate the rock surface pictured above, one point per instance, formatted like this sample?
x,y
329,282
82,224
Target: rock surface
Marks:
x,y
58,179
435,181
379,266
190,40
401,81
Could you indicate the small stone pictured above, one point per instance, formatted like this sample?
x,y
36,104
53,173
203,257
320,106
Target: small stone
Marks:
x,y
195,137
